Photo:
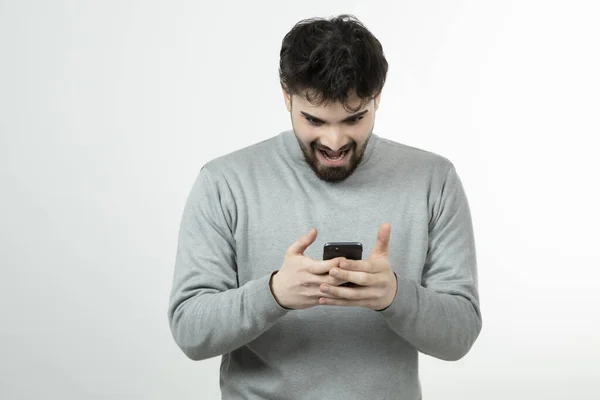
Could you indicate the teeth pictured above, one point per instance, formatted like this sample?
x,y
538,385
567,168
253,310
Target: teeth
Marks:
x,y
335,158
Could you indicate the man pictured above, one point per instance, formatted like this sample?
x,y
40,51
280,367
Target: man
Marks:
x,y
250,283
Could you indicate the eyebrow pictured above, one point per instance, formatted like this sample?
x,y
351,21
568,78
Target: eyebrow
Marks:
x,y
351,117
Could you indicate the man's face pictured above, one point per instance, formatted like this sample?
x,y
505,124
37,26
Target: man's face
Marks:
x,y
332,139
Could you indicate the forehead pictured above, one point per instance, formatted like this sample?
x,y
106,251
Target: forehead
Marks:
x,y
353,104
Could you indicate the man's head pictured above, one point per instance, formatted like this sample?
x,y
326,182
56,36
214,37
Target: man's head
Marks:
x,y
332,73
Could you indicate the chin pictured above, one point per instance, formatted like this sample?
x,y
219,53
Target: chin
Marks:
x,y
334,174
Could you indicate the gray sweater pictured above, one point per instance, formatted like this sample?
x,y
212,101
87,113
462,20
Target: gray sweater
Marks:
x,y
247,207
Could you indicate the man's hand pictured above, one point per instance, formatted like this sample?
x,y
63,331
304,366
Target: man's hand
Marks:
x,y
296,284
376,279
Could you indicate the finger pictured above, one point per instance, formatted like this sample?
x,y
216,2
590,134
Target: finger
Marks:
x,y
318,280
327,296
319,267
332,301
330,280
382,247
358,265
358,277
349,293
300,245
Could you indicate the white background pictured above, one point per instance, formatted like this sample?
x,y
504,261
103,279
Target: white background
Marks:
x,y
109,109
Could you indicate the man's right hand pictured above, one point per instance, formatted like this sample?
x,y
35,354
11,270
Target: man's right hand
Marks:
x,y
296,285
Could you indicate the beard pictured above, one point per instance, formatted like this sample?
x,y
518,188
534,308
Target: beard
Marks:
x,y
332,174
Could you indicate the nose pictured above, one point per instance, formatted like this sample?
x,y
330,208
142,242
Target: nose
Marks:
x,y
334,140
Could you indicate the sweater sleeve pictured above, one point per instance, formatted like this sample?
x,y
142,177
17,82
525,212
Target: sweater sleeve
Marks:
x,y
209,315
441,316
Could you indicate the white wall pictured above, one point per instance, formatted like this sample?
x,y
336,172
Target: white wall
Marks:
x,y
109,109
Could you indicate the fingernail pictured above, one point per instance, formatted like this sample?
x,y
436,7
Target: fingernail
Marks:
x,y
335,272
344,264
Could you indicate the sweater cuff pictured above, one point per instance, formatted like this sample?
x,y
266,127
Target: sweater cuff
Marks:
x,y
403,305
263,300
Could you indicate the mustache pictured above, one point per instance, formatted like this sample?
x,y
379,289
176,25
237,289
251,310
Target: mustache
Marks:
x,y
317,146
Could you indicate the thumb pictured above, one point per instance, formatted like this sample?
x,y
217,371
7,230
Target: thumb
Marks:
x,y
300,245
382,248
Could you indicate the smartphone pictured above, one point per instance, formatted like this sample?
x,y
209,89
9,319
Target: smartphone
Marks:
x,y
349,250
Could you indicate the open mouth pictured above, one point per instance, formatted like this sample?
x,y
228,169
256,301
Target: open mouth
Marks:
x,y
334,158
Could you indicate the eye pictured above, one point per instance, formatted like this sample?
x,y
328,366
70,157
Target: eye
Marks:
x,y
313,121
354,121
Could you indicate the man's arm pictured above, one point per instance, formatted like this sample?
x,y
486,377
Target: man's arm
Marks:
x,y
209,314
441,316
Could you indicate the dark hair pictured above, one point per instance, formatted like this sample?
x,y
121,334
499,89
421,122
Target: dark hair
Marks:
x,y
329,59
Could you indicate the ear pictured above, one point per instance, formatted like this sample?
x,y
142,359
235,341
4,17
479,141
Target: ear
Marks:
x,y
287,98
377,98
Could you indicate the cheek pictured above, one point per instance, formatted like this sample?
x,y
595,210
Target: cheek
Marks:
x,y
364,129
306,132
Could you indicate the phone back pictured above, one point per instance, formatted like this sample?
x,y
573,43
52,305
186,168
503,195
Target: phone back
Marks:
x,y
349,250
